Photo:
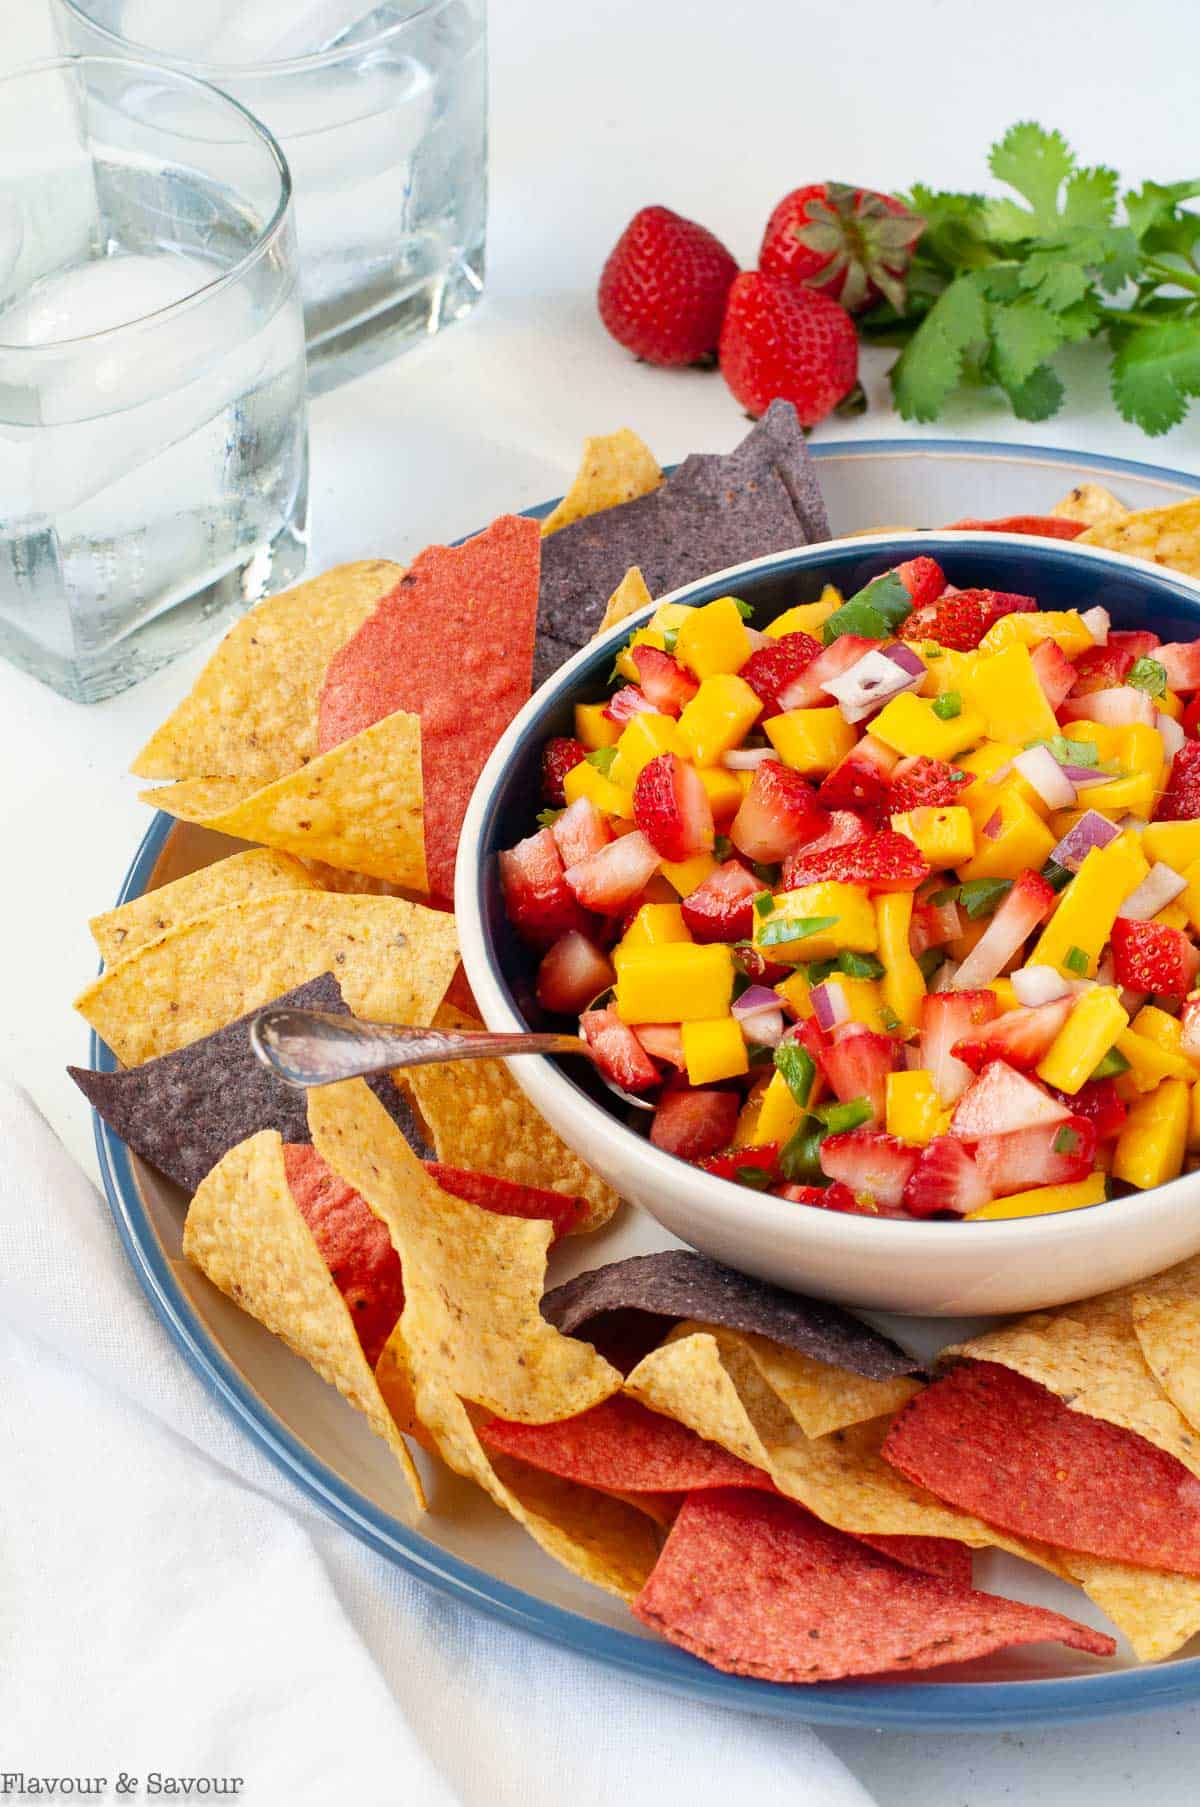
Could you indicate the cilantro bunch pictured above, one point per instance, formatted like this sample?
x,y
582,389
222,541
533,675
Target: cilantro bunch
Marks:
x,y
997,286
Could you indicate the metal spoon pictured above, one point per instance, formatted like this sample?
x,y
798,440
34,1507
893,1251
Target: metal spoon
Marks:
x,y
318,1047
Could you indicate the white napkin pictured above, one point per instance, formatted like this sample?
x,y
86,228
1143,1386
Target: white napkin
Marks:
x,y
169,1602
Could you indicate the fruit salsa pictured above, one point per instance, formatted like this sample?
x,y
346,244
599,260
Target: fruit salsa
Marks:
x,y
890,908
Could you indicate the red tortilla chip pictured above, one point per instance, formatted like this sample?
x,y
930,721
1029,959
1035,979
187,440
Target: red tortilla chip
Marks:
x,y
1044,526
990,1441
935,1555
354,1242
755,1585
506,1198
620,1446
453,644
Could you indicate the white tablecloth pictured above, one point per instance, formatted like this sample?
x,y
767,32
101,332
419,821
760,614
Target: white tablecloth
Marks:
x,y
714,109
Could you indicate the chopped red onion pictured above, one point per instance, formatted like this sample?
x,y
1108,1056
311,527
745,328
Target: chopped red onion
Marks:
x,y
1097,622
747,759
1173,735
1161,886
1083,775
1038,766
1091,830
765,1027
830,1005
754,999
1036,985
906,659
869,682
993,825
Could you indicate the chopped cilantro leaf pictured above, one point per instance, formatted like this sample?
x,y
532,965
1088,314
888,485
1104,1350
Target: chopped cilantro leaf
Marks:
x,y
930,960
948,705
722,847
764,903
1070,752
798,1069
1066,1141
1148,675
602,758
818,971
888,1017
792,928
546,818
875,612
744,609
981,896
859,966
670,636
1076,960
948,895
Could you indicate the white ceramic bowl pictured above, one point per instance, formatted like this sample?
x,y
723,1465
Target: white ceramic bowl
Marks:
x,y
937,1268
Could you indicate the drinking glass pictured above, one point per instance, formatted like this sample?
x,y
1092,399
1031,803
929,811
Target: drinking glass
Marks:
x,y
381,111
153,444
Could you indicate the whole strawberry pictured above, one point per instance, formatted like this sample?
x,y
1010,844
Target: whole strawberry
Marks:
x,y
851,243
663,290
779,339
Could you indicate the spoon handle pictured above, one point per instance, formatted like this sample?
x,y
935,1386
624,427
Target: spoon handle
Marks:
x,y
315,1047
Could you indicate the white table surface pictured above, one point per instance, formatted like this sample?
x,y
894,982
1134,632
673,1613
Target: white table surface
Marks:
x,y
715,109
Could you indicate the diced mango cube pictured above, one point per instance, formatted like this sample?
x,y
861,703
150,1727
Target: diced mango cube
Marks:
x,y
642,636
903,982
725,790
644,738
1006,996
686,876
1190,899
864,1001
594,728
780,1115
1176,843
1133,795
811,741
1151,1146
1159,1027
1041,1200
1004,689
1094,1024
653,926
1106,740
908,723
1194,1121
717,718
949,671
678,982
714,1049
913,1108
806,617
1169,704
745,1134
1087,909
852,926
1065,626
669,617
584,780
945,836
1142,751
1020,839
971,935
797,992
713,639
1175,916
1150,1063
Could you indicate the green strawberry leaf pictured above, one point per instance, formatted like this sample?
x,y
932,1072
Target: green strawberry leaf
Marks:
x,y
1156,371
929,368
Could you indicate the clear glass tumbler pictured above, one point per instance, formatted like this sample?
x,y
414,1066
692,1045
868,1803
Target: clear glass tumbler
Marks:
x,y
381,111
153,439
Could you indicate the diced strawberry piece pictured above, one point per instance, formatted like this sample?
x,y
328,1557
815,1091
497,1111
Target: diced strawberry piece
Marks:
x,y
933,925
1020,1037
1053,670
1044,526
778,814
694,1123
671,807
777,665
924,783
627,702
806,690
1119,707
834,1197
619,1054
883,861
1002,1100
1139,642
924,580
666,684
722,908
1100,1102
960,618
1180,659
844,826
948,1017
1151,957
1180,802
663,1041
607,880
572,974
945,1178
1028,904
758,968
857,1066
1189,721
876,1167
580,830
1048,1154
861,779
537,899
1101,668
559,756
763,1159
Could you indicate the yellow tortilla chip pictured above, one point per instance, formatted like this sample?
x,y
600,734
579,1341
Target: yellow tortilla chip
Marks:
x,y
629,596
473,1280
1092,503
1090,1357
1167,536
244,1230
818,1397
357,807
252,712
616,467
259,873
1157,1612
392,959
479,1117
1166,1322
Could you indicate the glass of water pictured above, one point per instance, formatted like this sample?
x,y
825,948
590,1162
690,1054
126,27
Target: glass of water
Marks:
x,y
153,444
381,111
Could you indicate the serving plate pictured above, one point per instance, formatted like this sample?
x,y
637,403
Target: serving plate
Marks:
x,y
464,1546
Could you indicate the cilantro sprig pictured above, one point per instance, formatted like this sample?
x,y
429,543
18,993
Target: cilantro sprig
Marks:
x,y
1000,284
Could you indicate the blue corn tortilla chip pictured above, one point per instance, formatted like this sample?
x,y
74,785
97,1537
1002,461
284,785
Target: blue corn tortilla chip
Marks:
x,y
678,1283
185,1110
713,511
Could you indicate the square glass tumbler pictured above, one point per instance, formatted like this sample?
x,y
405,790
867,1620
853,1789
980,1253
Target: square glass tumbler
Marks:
x,y
153,441
381,111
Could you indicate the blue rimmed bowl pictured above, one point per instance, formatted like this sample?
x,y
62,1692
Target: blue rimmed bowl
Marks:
x,y
939,1269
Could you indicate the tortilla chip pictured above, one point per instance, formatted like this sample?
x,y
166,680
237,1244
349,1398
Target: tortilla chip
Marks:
x,y
1001,1446
756,1586
244,1230
1166,1321
393,961
1158,1613
1090,503
479,1117
678,1283
358,806
615,468
185,1110
354,1245
472,1279
1090,1357
820,1398
629,596
252,712
507,1200
452,644
620,1446
1166,536
258,873
1038,526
